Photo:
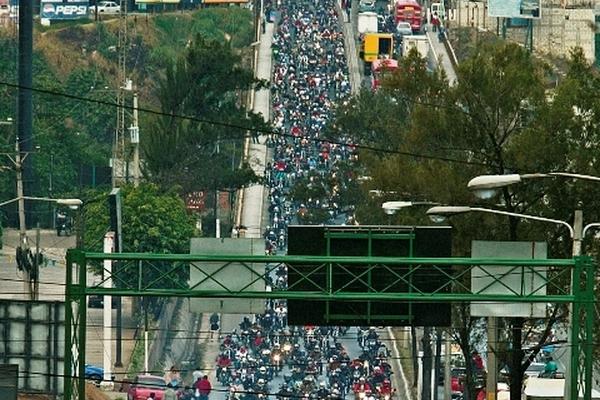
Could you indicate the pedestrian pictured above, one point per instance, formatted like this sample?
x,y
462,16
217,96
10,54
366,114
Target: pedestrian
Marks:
x,y
196,375
203,387
172,376
435,22
170,393
214,324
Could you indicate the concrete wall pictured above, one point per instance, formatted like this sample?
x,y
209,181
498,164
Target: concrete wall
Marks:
x,y
565,24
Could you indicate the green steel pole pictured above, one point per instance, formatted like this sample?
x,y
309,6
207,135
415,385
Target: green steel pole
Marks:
x,y
82,309
68,321
573,388
588,347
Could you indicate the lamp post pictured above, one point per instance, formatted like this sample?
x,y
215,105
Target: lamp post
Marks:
x,y
485,186
390,208
576,232
31,290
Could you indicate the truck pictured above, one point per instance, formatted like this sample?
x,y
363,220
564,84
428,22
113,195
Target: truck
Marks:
x,y
419,42
409,11
380,69
367,22
376,46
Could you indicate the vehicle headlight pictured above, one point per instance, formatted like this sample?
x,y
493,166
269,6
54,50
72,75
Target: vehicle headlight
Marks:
x,y
362,395
287,347
276,357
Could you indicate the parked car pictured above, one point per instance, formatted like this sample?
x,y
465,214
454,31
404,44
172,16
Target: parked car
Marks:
x,y
95,373
404,28
107,7
143,385
97,301
457,380
367,5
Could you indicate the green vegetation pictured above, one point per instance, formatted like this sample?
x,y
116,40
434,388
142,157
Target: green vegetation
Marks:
x,y
80,58
499,118
155,221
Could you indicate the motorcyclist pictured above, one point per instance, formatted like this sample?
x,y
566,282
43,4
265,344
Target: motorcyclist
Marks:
x,y
378,376
323,392
550,369
385,390
223,364
285,392
262,373
362,386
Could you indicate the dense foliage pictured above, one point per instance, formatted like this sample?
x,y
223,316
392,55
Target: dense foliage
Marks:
x,y
73,138
504,115
207,83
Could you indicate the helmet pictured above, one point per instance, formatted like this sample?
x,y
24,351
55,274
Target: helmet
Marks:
x,y
261,381
322,384
263,369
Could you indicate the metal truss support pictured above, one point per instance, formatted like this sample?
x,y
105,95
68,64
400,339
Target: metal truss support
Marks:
x,y
168,275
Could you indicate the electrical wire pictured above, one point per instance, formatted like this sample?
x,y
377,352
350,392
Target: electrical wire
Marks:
x,y
246,128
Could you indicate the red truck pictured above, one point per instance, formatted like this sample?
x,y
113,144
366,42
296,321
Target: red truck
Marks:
x,y
143,385
409,11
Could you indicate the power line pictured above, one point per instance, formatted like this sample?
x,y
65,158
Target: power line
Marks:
x,y
251,128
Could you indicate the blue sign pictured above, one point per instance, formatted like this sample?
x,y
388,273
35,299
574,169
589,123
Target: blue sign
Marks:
x,y
64,9
514,8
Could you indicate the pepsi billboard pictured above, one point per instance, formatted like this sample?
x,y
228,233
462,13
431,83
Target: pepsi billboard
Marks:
x,y
64,9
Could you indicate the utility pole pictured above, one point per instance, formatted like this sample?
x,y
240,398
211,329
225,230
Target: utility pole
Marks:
x,y
492,363
427,361
576,252
447,366
24,97
109,245
23,249
118,156
134,131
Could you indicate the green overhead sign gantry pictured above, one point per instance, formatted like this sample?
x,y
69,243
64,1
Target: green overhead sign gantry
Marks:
x,y
564,281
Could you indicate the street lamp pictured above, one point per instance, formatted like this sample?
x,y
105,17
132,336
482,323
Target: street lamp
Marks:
x,y
390,207
441,213
486,186
576,232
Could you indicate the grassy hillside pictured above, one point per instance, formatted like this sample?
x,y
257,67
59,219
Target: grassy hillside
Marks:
x,y
80,58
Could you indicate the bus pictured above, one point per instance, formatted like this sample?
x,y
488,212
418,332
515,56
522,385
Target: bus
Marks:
x,y
381,68
409,11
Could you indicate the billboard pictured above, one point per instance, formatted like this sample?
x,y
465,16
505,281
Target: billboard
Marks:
x,y
64,9
40,351
515,8
366,241
508,280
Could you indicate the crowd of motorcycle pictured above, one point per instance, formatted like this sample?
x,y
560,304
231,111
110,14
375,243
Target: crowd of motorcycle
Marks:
x,y
306,178
312,361
310,76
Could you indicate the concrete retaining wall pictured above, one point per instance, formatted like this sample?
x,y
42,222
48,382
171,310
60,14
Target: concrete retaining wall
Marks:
x,y
565,24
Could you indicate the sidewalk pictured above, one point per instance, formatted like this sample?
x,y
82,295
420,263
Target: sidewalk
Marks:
x,y
442,56
254,195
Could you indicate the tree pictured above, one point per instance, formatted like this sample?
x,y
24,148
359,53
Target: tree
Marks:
x,y
207,83
152,222
497,119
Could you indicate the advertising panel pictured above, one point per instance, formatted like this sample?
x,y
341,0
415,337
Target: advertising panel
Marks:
x,y
64,9
508,280
515,8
